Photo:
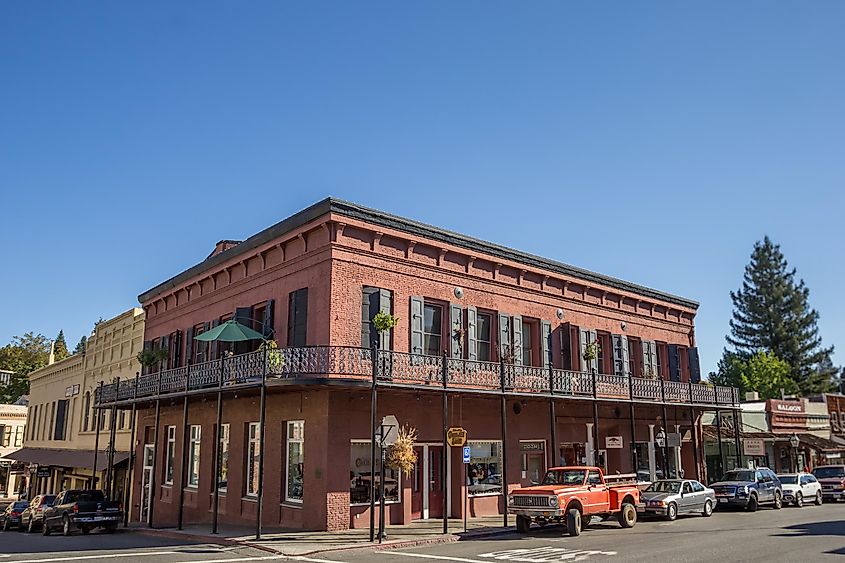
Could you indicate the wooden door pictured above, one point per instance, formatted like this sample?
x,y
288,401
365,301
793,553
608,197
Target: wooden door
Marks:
x,y
417,485
435,481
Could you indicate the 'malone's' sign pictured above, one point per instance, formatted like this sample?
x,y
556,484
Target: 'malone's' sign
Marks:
x,y
456,436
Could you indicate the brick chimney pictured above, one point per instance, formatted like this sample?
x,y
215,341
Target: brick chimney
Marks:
x,y
223,246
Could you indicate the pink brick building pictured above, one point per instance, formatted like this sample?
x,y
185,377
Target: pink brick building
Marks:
x,y
489,339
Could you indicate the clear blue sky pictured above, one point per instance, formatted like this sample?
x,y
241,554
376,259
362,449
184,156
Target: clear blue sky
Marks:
x,y
650,141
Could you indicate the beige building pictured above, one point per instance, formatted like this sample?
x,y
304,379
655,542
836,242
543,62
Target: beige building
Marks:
x,y
61,437
12,429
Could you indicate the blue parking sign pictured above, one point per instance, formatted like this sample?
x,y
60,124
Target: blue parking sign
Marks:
x,y
466,454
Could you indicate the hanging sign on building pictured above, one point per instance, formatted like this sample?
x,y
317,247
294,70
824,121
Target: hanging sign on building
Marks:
x,y
673,440
456,436
532,446
613,442
43,472
753,447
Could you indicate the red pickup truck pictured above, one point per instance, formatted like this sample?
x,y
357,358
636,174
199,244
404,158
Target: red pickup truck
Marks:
x,y
573,495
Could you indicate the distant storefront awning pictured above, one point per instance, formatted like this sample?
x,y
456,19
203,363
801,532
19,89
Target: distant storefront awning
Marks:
x,y
66,458
821,444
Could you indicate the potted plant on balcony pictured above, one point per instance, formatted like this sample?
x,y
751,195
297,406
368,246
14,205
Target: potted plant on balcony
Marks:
x,y
384,321
591,352
275,359
152,356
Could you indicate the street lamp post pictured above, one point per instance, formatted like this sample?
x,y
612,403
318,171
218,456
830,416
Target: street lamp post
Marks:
x,y
794,441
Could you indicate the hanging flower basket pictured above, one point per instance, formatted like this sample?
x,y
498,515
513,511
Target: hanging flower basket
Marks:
x,y
401,455
384,321
275,360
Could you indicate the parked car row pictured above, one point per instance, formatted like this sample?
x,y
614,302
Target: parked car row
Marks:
x,y
71,510
574,495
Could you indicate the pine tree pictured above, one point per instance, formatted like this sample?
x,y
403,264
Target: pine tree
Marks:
x,y
772,314
80,347
60,350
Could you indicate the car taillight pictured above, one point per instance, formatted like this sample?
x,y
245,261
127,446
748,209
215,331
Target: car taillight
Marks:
x,y
75,508
16,513
120,506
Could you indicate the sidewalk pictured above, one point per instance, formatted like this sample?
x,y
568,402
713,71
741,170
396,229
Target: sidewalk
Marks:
x,y
298,543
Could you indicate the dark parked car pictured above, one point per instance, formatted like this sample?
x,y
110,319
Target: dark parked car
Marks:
x,y
33,517
832,479
12,515
749,488
81,509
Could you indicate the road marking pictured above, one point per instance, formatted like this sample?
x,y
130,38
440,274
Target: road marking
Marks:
x,y
103,556
545,554
425,556
267,558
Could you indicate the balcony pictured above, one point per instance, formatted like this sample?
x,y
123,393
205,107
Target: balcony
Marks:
x,y
398,369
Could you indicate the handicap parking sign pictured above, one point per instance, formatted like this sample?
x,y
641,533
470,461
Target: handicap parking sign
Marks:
x,y
466,454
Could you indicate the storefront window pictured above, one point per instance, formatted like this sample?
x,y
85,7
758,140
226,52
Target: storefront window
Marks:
x,y
484,471
223,462
194,457
171,455
253,459
360,473
295,459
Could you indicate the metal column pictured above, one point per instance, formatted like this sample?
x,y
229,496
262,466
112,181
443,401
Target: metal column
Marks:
x,y
127,488
444,457
215,502
155,453
738,437
109,489
552,420
634,460
98,413
695,452
183,470
504,417
719,440
595,422
261,446
373,423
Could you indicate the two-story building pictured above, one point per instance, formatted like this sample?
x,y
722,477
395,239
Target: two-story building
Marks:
x,y
540,362
12,428
61,439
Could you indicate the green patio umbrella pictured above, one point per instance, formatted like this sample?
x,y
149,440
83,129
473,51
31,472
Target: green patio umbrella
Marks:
x,y
230,331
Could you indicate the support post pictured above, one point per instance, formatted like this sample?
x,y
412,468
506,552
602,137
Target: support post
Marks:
x,y
381,534
109,488
738,437
552,420
444,458
183,470
719,441
127,488
595,423
150,508
634,461
215,502
262,415
694,430
373,416
664,423
99,414
504,417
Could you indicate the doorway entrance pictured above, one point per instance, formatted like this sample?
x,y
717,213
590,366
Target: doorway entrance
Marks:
x,y
147,478
427,482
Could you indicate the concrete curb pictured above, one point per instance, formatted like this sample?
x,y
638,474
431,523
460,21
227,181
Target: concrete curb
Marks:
x,y
398,544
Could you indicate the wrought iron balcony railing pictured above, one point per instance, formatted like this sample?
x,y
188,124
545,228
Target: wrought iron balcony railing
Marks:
x,y
409,370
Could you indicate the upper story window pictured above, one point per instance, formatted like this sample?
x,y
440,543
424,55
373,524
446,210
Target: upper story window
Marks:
x,y
484,337
374,300
432,329
527,343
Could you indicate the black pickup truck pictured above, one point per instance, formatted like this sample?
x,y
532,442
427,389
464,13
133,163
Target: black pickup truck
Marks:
x,y
80,509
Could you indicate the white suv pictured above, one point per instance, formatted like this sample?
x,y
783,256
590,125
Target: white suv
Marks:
x,y
799,488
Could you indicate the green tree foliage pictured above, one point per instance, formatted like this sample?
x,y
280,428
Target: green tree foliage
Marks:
x,y
23,355
80,347
772,314
763,372
60,351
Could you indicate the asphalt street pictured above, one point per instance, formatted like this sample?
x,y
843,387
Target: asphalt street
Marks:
x,y
796,535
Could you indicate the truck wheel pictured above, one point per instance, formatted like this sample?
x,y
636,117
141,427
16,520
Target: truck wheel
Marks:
x,y
573,522
628,515
522,524
66,531
671,511
752,504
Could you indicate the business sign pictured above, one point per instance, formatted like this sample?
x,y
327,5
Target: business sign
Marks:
x,y
43,472
755,447
787,407
390,427
532,446
673,440
613,442
456,436
466,454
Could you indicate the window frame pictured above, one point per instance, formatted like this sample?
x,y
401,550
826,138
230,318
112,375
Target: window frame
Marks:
x,y
399,476
253,453
169,455
288,441
223,437
479,340
428,335
194,450
467,469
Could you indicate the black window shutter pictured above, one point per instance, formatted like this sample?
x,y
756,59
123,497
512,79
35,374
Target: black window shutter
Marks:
x,y
546,343
504,336
472,333
416,325
206,346
516,333
369,308
385,303
674,364
456,330
165,345
189,346
215,349
694,365
566,352
176,348
148,345
298,317
267,322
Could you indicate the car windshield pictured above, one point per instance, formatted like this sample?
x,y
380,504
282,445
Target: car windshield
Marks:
x,y
828,472
48,499
739,476
788,479
91,496
20,505
664,487
565,477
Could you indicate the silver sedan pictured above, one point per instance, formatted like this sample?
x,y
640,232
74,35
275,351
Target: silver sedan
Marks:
x,y
671,497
